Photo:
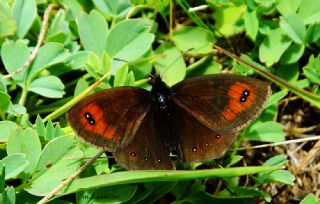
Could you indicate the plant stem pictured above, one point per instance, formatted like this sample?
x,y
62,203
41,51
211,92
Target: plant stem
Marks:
x,y
23,97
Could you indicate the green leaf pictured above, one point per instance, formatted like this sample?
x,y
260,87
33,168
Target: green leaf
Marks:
x,y
312,74
170,65
313,33
161,189
128,40
289,72
50,132
130,79
303,83
232,160
244,69
16,109
49,54
276,161
25,141
204,66
4,102
147,176
113,8
281,176
112,194
273,46
93,65
251,21
106,63
121,76
93,30
8,196
276,97
269,131
143,192
204,197
2,177
293,26
59,28
8,25
75,8
80,87
292,54
229,17
41,128
309,11
58,131
250,192
198,39
285,6
77,60
14,165
3,86
57,162
50,87
6,127
25,13
14,55
312,69
310,199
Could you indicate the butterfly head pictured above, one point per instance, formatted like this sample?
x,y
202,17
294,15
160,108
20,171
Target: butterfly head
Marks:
x,y
160,93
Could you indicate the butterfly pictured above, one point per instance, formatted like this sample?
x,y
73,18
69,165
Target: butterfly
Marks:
x,y
197,119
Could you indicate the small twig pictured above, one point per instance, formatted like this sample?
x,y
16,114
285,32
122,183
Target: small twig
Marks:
x,y
309,157
298,130
70,179
39,42
287,100
282,143
198,8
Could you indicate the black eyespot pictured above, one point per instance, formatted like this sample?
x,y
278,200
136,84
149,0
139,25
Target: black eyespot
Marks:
x,y
133,154
244,96
194,149
89,118
218,136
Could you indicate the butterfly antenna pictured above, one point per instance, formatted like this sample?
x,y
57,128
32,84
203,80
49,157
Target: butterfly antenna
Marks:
x,y
183,53
132,64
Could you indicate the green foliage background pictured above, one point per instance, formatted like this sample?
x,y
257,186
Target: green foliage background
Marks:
x,y
85,40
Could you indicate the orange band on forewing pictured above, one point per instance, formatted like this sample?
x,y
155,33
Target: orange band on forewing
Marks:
x,y
235,107
100,127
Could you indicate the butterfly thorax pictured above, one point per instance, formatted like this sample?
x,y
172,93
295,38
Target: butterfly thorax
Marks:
x,y
161,93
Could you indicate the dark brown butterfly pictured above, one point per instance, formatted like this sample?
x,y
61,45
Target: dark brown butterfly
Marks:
x,y
197,119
